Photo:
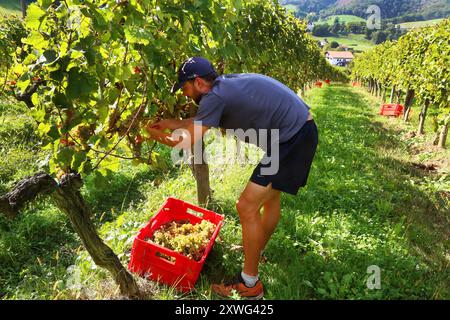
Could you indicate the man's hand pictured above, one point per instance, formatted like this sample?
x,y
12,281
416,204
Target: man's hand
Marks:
x,y
162,137
171,124
163,124
183,139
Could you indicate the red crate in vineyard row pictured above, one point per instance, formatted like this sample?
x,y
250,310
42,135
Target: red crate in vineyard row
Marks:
x,y
391,109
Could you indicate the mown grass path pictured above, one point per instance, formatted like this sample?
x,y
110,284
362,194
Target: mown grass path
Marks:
x,y
360,208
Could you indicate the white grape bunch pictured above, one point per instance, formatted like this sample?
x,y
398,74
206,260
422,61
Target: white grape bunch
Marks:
x,y
183,237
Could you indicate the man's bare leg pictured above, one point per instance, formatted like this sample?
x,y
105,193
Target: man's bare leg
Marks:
x,y
254,234
270,217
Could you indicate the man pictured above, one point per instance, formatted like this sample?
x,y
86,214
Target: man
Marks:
x,y
249,102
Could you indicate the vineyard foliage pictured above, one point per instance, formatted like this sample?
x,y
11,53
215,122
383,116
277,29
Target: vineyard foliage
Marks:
x,y
418,61
96,72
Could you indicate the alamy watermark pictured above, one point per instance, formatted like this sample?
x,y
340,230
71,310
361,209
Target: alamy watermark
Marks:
x,y
374,280
374,20
229,152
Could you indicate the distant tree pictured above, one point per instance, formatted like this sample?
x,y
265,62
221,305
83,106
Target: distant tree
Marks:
x,y
393,32
368,34
356,27
312,17
336,26
321,30
334,44
379,37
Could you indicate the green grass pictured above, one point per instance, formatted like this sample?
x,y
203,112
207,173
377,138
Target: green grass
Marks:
x,y
37,246
342,19
365,204
355,41
8,7
18,144
419,24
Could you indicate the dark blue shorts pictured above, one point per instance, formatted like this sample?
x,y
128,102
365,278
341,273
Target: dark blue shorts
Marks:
x,y
295,158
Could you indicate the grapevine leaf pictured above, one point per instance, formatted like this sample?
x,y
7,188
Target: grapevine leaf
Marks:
x,y
64,156
80,85
34,16
138,34
77,159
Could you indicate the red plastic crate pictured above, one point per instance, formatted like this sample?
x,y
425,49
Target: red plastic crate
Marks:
x,y
153,261
391,109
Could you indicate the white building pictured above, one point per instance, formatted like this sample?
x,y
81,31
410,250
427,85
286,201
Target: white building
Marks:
x,y
337,57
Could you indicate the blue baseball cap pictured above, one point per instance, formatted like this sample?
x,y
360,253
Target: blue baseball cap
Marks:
x,y
192,68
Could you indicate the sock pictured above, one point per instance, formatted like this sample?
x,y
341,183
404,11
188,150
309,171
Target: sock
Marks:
x,y
249,281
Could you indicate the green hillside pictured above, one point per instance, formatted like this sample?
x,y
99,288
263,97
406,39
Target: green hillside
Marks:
x,y
353,41
419,24
342,19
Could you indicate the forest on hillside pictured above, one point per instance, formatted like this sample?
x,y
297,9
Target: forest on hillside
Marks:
x,y
400,10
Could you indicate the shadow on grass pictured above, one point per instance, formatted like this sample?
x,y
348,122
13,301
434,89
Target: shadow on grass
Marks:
x,y
35,250
122,191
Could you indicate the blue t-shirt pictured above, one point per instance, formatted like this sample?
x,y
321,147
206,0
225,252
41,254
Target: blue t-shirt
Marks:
x,y
252,101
